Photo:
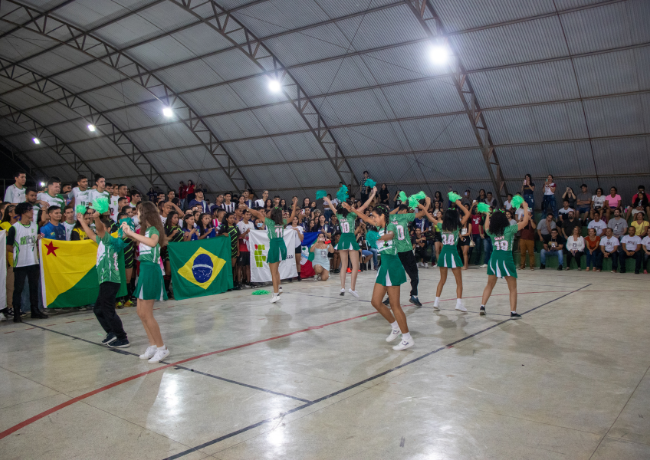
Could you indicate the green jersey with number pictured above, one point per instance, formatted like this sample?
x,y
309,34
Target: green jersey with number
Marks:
x,y
347,222
401,222
449,238
274,230
503,242
389,247
147,253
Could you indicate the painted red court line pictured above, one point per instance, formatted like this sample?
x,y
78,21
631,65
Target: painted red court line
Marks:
x,y
54,409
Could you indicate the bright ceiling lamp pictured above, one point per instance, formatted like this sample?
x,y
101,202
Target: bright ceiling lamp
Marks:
x,y
439,54
168,112
275,86
36,140
92,128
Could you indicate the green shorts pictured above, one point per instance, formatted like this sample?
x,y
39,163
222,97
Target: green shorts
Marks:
x,y
449,257
501,264
150,282
391,271
277,251
347,242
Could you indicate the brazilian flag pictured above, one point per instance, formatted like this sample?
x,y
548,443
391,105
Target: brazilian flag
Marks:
x,y
201,267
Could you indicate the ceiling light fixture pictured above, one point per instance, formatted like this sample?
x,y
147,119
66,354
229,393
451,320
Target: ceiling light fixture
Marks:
x,y
91,128
36,140
275,86
439,54
168,112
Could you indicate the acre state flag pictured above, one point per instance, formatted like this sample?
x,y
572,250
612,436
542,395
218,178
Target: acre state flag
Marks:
x,y
201,267
68,273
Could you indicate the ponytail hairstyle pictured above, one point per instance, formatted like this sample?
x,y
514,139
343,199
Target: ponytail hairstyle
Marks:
x,y
276,216
451,220
224,224
149,217
382,210
498,223
341,210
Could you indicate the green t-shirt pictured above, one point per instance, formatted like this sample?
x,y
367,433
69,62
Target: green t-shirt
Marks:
x,y
147,253
56,200
387,247
503,242
274,230
347,222
107,252
401,222
449,238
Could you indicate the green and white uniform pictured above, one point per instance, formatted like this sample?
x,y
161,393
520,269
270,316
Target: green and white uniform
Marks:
x,y
57,200
14,194
347,241
391,272
449,254
80,197
150,280
402,237
108,248
277,248
25,238
501,262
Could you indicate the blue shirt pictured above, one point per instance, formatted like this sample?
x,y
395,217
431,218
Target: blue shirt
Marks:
x,y
53,232
203,205
194,237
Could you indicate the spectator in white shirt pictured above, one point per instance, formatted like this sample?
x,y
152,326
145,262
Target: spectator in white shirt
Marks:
x,y
597,224
16,192
261,202
508,203
631,247
575,248
548,200
645,242
609,245
564,211
598,202
617,224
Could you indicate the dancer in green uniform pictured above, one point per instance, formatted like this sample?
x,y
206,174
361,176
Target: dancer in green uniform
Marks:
x,y
347,245
390,275
449,258
501,264
277,249
151,286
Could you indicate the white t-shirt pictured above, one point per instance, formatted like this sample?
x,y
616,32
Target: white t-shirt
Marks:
x,y
51,200
631,242
94,194
646,242
259,203
565,211
600,226
599,201
298,229
507,205
575,244
547,188
519,213
68,229
114,207
609,243
14,194
242,227
25,241
80,197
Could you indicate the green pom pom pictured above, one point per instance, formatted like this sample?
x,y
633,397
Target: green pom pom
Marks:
x,y
342,194
402,197
414,200
129,222
453,197
80,209
517,201
100,204
370,183
483,207
372,237
321,194
261,292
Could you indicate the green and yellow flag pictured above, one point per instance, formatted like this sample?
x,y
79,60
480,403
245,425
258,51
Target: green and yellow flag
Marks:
x,y
201,267
68,274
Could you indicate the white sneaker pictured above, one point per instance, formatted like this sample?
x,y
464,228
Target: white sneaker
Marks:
x,y
275,298
426,265
354,293
460,306
393,335
484,265
279,290
160,355
436,306
149,352
434,266
404,344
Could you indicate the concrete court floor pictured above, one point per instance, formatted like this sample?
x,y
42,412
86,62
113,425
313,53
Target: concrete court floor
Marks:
x,y
569,380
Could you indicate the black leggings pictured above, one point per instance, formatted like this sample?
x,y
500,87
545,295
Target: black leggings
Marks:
x,y
410,265
105,310
31,273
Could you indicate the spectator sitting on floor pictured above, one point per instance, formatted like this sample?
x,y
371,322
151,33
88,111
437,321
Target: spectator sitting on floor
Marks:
x,y
575,248
618,224
564,211
569,224
640,225
597,224
583,204
545,226
645,244
609,245
553,245
631,247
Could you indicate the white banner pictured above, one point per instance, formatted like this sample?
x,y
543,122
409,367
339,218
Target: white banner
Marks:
x,y
3,269
260,271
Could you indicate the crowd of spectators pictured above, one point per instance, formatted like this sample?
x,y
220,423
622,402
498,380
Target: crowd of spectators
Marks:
x,y
616,230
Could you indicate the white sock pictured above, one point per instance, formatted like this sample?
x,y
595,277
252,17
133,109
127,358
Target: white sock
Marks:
x,y
406,336
437,301
459,301
161,348
394,325
483,306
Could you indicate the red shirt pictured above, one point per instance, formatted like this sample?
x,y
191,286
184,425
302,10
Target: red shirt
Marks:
x,y
182,192
476,224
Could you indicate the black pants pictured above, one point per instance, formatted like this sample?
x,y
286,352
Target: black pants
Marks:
x,y
105,310
613,256
31,273
410,264
569,256
638,260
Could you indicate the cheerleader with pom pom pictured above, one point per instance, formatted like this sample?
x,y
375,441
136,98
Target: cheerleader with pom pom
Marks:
x,y
502,264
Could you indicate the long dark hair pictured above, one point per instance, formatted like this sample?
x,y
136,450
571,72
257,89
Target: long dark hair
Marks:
x,y
5,216
203,230
168,223
498,223
276,216
382,210
224,224
341,210
450,220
